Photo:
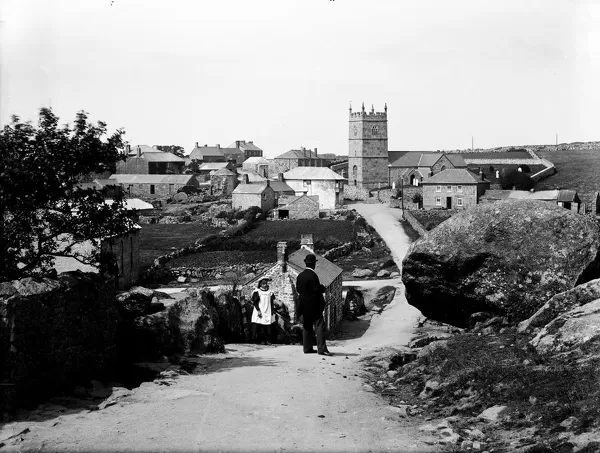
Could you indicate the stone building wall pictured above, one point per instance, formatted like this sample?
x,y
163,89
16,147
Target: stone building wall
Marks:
x,y
160,190
127,251
329,196
265,201
334,308
55,334
133,166
304,208
468,195
444,163
277,166
223,185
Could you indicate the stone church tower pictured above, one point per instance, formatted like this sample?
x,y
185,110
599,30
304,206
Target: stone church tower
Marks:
x,y
368,149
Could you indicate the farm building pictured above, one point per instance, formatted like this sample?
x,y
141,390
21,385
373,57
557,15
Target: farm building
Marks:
x,y
206,154
154,185
568,199
248,148
126,249
151,161
223,182
454,188
295,208
258,165
283,277
247,195
321,181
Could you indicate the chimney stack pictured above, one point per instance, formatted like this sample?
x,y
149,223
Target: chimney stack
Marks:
x,y
237,143
218,145
315,152
197,145
139,151
281,177
306,242
127,149
246,179
282,255
268,183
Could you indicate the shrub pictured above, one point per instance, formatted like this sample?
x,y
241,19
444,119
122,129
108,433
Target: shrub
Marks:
x,y
417,198
350,217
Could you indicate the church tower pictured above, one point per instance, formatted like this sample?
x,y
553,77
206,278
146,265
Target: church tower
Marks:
x,y
368,149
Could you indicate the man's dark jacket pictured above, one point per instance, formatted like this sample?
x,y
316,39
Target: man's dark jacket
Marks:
x,y
311,302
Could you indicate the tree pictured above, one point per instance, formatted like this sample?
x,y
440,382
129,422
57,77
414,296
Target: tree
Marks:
x,y
516,179
44,211
175,149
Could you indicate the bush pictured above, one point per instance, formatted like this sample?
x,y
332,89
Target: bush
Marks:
x,y
350,217
417,198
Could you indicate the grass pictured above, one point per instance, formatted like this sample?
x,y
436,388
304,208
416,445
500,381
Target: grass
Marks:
x,y
289,230
211,260
157,239
576,169
503,370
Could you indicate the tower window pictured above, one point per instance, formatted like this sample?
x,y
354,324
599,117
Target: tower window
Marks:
x,y
375,130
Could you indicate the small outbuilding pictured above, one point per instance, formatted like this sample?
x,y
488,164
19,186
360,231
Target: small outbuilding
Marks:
x,y
247,195
296,208
223,182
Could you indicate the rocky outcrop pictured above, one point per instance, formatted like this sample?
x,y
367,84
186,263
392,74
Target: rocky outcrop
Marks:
x,y
231,328
561,303
574,332
189,323
354,303
506,258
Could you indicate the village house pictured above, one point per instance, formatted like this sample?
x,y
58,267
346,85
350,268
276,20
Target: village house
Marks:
x,y
413,167
248,148
246,195
258,165
453,188
150,162
154,185
281,189
568,199
223,182
208,168
283,277
206,153
293,158
298,207
321,181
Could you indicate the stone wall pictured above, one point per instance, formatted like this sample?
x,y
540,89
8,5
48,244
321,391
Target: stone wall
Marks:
x,y
468,195
55,334
355,193
160,190
414,223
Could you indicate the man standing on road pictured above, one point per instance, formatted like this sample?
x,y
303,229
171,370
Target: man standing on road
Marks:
x,y
311,305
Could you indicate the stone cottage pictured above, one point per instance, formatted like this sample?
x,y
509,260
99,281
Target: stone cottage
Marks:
x,y
246,195
293,158
321,181
154,185
283,276
248,148
223,182
258,165
150,162
455,188
282,190
206,154
296,208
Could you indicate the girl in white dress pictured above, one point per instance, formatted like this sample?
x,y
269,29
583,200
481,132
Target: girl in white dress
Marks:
x,y
263,315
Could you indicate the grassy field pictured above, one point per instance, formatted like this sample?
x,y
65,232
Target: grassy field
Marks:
x,y
290,230
158,239
209,260
576,169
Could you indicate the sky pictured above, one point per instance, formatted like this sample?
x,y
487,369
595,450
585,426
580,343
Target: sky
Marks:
x,y
282,73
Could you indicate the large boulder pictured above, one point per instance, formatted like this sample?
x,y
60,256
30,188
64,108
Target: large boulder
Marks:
x,y
574,332
561,303
231,328
354,303
508,258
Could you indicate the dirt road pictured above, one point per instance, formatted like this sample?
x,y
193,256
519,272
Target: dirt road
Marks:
x,y
254,398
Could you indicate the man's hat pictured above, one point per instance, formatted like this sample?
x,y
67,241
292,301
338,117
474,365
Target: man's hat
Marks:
x,y
310,259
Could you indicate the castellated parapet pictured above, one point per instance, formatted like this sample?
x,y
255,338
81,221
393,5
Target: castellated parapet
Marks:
x,y
369,116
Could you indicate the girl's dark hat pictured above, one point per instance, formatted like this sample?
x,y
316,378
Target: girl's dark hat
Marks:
x,y
310,259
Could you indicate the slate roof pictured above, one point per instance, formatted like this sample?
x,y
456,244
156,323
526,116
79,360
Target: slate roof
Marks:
x,y
498,155
209,166
252,176
224,172
255,160
200,152
299,154
325,269
151,179
293,199
422,158
453,176
244,145
313,173
568,196
279,186
250,189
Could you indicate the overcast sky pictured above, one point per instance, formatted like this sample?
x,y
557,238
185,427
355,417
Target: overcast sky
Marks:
x,y
282,72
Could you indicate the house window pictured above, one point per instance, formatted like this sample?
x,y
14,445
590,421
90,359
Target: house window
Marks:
x,y
438,188
459,189
459,201
448,188
438,201
152,189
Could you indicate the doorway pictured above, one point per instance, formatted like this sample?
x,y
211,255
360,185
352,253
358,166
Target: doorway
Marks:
x,y
448,202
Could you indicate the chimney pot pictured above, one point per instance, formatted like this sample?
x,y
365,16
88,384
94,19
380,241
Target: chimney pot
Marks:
x,y
205,145
282,255
251,142
139,151
281,177
218,145
196,144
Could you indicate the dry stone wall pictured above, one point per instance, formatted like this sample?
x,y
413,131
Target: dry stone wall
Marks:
x,y
56,333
